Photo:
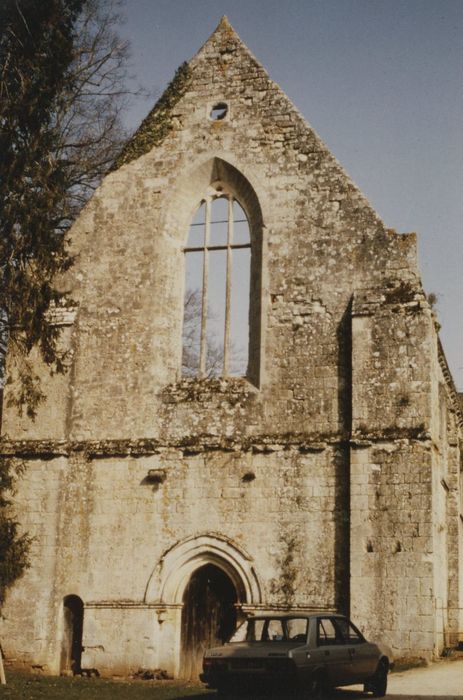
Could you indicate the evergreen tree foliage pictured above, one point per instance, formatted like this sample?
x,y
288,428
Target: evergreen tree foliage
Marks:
x,y
14,547
62,71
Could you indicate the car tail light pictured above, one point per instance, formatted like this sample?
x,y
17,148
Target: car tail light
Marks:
x,y
213,664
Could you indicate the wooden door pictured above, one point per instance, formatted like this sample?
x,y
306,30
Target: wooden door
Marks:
x,y
208,616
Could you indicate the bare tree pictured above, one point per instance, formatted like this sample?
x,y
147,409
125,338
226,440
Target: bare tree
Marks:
x,y
191,342
191,339
88,117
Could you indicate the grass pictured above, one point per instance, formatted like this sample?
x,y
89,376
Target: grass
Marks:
x,y
24,686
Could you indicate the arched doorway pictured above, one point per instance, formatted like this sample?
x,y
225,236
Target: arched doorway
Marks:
x,y
208,616
73,623
168,590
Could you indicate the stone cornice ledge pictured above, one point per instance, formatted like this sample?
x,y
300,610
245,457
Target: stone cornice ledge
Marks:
x,y
129,605
94,449
101,449
388,434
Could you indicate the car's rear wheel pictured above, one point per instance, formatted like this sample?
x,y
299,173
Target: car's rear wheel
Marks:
x,y
378,683
316,688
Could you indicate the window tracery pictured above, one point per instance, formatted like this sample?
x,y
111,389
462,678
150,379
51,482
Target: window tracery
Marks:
x,y
217,288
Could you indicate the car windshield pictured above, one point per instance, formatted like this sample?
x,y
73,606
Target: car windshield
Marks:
x,y
265,629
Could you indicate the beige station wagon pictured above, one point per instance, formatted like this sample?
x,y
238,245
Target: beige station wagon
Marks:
x,y
307,652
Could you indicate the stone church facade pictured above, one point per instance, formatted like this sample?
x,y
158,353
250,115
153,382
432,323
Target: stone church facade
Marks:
x,y
166,506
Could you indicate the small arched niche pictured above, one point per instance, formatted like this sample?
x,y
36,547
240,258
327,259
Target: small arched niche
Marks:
x,y
71,640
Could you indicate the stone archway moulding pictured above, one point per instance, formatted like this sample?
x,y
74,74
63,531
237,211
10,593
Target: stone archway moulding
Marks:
x,y
185,195
168,581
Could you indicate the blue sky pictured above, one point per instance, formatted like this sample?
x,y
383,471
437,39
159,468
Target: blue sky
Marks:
x,y
381,81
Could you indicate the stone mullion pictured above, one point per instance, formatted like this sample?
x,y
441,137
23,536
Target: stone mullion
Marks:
x,y
226,339
203,341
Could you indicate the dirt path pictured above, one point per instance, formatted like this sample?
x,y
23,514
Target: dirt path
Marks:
x,y
443,679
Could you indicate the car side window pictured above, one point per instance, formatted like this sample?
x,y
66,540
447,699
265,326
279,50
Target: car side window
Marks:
x,y
349,632
255,630
275,631
296,629
327,632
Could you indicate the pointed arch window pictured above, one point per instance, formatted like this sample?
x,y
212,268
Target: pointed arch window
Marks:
x,y
217,288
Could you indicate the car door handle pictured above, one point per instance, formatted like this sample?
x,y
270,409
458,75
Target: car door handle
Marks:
x,y
327,653
352,652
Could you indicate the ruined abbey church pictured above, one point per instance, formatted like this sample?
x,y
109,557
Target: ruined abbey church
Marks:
x,y
257,414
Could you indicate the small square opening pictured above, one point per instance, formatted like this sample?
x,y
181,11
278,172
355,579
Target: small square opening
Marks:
x,y
218,112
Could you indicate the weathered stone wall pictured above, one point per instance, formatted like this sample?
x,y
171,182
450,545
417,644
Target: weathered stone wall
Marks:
x,y
447,507
325,462
405,529
285,506
391,544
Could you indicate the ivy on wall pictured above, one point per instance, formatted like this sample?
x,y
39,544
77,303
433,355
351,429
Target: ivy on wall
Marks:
x,y
158,123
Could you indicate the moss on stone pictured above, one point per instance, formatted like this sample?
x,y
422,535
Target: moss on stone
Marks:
x,y
158,123
284,588
404,293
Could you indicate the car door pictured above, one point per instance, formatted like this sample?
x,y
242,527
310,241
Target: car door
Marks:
x,y
331,652
363,656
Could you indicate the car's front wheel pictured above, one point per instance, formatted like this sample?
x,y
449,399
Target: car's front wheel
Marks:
x,y
378,683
